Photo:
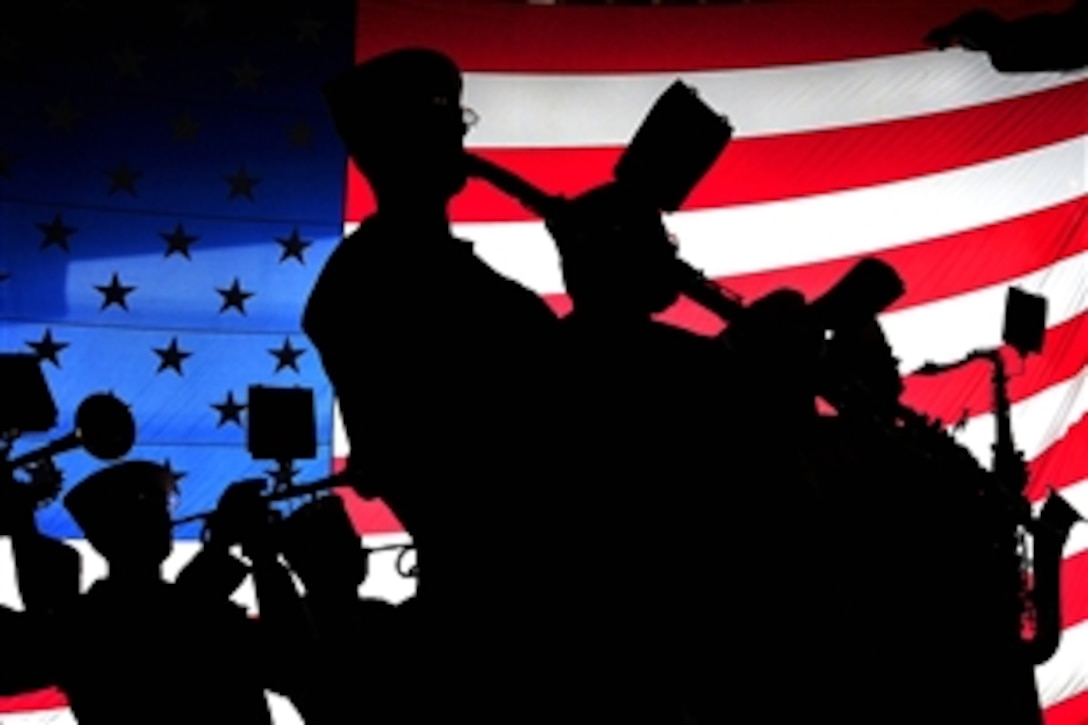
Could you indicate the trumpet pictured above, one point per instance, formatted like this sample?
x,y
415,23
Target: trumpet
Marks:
x,y
104,427
307,489
319,486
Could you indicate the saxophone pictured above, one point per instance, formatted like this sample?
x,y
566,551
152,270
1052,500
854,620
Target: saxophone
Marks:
x,y
1049,530
1040,574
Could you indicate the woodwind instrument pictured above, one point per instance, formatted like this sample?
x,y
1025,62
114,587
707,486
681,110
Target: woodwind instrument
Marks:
x,y
335,480
1040,573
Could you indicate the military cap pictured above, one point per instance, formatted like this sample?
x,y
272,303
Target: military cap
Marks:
x,y
383,88
115,491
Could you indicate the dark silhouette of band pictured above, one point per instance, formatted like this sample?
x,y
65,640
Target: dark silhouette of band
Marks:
x,y
678,521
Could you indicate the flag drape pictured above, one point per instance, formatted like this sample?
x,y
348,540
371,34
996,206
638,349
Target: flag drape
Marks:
x,y
851,139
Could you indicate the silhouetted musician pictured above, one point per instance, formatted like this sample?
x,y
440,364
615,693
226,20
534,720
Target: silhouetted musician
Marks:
x,y
360,668
135,648
438,365
947,575
640,401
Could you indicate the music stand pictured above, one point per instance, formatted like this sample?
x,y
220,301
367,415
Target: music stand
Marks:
x,y
282,427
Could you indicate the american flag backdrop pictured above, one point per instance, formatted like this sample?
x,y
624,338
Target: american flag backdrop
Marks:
x,y
170,186
186,156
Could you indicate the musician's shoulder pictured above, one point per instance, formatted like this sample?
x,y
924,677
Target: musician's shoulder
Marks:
x,y
340,279
364,239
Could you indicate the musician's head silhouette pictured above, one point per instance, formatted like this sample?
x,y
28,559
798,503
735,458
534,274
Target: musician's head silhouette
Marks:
x,y
124,511
400,116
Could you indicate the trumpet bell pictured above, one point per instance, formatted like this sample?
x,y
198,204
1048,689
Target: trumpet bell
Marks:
x,y
1059,513
105,426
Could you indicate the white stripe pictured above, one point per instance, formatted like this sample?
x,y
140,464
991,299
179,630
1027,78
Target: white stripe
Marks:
x,y
340,445
383,581
582,110
42,717
1077,496
1066,674
759,237
952,325
945,330
1037,422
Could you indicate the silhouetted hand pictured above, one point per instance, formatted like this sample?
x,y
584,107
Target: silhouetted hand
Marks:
x,y
242,517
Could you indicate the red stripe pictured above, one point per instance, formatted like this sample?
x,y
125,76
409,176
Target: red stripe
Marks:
x,y
946,266
932,270
525,38
793,165
369,516
1073,711
1074,590
1061,465
967,391
50,699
